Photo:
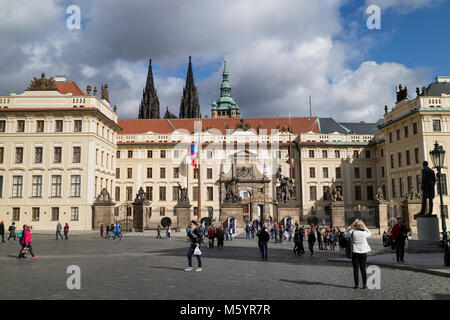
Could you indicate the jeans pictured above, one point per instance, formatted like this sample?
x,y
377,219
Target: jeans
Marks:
x,y
231,236
189,256
65,235
117,234
211,242
58,233
311,247
263,249
359,262
247,235
400,249
12,236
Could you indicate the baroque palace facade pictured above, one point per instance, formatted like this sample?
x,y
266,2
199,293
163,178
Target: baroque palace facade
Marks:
x,y
64,152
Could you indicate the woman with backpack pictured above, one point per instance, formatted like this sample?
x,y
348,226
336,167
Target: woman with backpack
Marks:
x,y
25,242
358,234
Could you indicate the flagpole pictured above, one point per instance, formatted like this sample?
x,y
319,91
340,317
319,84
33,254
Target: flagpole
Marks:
x,y
290,145
199,179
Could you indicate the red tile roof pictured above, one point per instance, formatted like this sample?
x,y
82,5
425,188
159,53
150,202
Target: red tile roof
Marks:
x,y
163,126
69,87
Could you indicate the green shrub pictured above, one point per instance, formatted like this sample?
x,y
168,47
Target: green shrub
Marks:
x,y
312,220
166,221
206,220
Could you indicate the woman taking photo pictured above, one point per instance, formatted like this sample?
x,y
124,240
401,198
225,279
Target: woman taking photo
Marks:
x,y
358,234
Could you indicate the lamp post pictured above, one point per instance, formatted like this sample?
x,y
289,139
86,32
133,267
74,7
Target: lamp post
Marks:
x,y
438,157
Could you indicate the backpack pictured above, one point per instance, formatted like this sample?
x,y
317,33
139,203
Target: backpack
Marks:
x,y
200,234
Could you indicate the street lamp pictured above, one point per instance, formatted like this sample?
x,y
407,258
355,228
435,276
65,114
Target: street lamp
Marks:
x,y
438,157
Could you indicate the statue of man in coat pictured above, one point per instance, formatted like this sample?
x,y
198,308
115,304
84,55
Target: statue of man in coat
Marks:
x,y
428,182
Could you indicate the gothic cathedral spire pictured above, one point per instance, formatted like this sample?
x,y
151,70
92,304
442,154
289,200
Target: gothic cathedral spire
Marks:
x,y
149,108
189,106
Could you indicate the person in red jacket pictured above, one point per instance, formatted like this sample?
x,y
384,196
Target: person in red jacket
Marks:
x,y
211,236
25,241
399,235
66,231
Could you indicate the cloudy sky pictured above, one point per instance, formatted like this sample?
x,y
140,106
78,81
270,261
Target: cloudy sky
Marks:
x,y
278,52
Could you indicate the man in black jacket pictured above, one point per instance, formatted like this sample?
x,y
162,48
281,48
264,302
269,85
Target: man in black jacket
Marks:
x,y
263,239
2,231
195,236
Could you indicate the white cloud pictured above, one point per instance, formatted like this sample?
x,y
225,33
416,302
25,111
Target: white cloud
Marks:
x,y
404,6
279,52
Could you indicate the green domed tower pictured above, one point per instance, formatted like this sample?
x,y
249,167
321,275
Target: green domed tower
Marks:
x,y
225,106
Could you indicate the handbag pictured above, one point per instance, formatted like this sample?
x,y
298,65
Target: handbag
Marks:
x,y
197,251
349,248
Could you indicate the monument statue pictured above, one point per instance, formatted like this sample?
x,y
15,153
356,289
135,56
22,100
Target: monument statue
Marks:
x,y
182,194
103,196
42,84
336,195
232,194
140,196
285,192
379,196
402,94
413,195
428,182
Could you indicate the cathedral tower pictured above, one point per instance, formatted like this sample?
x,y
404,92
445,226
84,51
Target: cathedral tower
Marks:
x,y
225,107
149,108
190,106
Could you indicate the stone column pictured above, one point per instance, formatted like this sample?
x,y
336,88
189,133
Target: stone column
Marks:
x,y
183,214
428,235
383,219
338,214
229,210
140,208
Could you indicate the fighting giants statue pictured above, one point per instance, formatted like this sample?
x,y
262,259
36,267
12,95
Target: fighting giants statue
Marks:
x,y
182,194
428,182
232,194
336,195
285,192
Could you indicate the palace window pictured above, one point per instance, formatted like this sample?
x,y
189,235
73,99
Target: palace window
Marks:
x,y
357,174
194,193
162,211
312,172
149,173
162,173
210,192
324,154
129,173
75,190
37,186
175,193
392,161
78,126
398,134
129,193
209,173
130,154
1,154
415,128
1,186
312,193
117,195
436,125
311,153
394,191
367,154
369,193
58,126
163,154
40,126
443,184
338,173
75,213
35,214
337,154
356,154
416,155
408,158
56,186
162,193
149,154
357,193
399,155
17,186
117,173
369,173
2,125
176,173
76,154
406,132
38,155
16,214
55,214
19,154
57,156
20,125
149,192
325,172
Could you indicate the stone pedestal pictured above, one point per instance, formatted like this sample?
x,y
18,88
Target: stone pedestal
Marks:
x,y
102,210
338,215
383,219
141,211
285,210
183,213
428,235
409,210
234,210
428,228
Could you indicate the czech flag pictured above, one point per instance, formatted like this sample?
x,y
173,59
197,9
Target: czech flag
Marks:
x,y
192,157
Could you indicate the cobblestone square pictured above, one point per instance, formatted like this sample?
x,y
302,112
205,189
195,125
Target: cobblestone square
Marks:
x,y
149,268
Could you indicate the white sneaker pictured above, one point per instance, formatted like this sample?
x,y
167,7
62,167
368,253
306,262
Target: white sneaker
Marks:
x,y
199,270
188,269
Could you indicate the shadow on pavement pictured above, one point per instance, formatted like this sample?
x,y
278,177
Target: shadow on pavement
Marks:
x,y
310,283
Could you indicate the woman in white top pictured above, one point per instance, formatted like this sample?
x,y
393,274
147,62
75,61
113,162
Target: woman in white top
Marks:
x,y
358,234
